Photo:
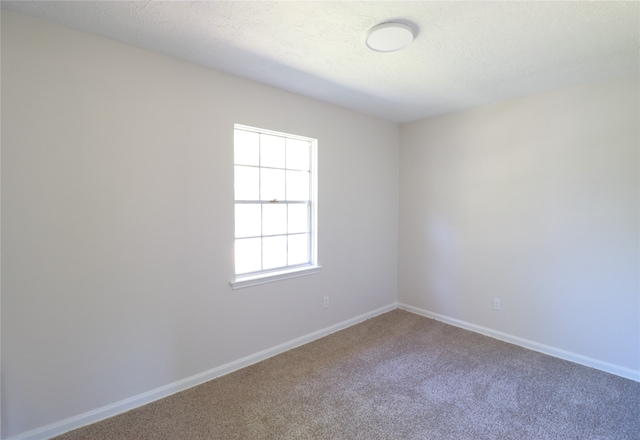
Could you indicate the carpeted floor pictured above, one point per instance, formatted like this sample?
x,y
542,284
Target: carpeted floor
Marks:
x,y
396,376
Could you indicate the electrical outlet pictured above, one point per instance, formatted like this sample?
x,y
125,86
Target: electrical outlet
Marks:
x,y
325,302
497,303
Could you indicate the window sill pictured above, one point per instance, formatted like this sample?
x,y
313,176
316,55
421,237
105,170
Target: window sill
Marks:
x,y
248,281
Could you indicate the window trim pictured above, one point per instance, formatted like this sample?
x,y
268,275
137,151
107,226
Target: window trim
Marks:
x,y
278,274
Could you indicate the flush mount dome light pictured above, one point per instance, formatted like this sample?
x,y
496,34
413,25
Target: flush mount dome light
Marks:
x,y
389,37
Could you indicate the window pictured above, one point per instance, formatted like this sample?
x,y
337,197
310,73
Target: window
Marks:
x,y
275,207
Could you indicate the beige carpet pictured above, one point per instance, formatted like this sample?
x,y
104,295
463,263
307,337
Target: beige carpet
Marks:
x,y
396,376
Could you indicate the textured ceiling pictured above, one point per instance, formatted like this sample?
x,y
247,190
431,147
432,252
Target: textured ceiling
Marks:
x,y
465,54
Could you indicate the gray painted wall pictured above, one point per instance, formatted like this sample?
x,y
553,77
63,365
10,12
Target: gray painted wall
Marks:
x,y
117,221
534,201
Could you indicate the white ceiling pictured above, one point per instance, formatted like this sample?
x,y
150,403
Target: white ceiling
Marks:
x,y
465,54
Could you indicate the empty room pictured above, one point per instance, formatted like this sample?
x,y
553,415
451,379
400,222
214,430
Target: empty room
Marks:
x,y
320,220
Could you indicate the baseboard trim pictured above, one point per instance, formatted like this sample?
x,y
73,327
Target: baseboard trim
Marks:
x,y
627,373
122,406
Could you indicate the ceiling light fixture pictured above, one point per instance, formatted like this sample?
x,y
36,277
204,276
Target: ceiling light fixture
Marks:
x,y
389,37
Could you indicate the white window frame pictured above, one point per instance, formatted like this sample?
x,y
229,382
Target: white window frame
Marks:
x,y
272,275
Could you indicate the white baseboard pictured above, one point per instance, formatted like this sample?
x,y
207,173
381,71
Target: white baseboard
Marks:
x,y
122,406
627,373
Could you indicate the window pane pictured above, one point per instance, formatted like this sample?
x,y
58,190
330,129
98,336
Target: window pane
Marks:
x,y
272,184
248,255
274,252
272,152
298,152
297,185
247,220
247,183
274,219
246,147
298,218
298,249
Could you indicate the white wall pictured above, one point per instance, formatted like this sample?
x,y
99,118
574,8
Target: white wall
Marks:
x,y
117,203
535,201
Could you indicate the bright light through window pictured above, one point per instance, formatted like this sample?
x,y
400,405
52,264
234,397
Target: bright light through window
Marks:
x,y
274,201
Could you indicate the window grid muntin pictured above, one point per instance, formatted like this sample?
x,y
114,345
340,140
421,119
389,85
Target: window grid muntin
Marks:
x,y
310,241
308,204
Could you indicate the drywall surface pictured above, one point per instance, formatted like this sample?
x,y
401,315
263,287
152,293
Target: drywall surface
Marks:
x,y
536,202
117,203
